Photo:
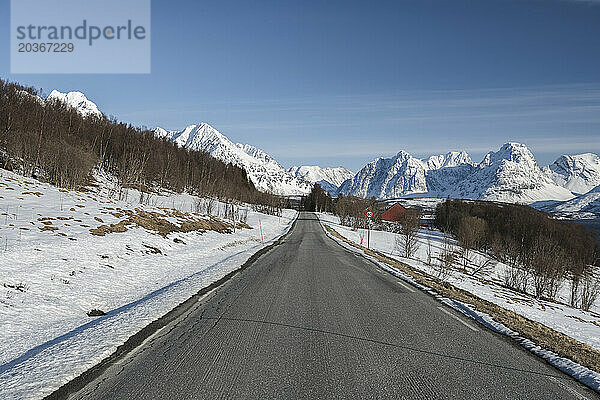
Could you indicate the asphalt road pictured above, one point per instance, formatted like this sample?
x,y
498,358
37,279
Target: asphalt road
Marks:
x,y
312,320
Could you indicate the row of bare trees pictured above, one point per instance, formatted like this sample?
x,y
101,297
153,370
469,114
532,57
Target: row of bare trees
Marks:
x,y
53,142
351,210
541,253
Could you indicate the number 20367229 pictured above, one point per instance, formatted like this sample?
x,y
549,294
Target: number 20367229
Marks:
x,y
49,47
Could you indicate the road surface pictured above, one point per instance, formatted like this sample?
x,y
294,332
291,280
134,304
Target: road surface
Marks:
x,y
311,320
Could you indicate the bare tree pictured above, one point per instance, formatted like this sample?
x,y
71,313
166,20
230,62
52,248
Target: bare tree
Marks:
x,y
547,267
408,241
471,231
429,251
210,205
446,259
483,266
590,290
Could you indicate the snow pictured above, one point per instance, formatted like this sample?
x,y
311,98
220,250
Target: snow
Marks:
x,y
579,173
554,315
265,173
51,279
78,101
333,176
450,159
585,206
580,325
509,175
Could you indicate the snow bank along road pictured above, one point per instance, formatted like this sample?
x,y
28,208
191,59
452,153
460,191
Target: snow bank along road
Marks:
x,y
310,319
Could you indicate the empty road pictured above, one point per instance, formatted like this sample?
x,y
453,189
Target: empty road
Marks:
x,y
311,320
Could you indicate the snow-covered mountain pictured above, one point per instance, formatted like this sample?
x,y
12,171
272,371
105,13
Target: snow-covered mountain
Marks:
x,y
404,174
579,173
266,173
510,174
77,100
583,206
328,178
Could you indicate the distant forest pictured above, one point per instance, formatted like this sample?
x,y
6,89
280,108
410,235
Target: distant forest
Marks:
x,y
51,141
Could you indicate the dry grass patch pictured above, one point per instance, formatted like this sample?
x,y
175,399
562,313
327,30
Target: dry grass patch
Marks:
x,y
38,194
157,222
48,228
561,344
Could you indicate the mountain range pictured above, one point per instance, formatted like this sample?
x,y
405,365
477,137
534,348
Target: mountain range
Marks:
x,y
510,174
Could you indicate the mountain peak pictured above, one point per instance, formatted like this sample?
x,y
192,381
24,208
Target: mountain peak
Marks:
x,y
330,178
403,155
511,151
579,173
77,100
450,159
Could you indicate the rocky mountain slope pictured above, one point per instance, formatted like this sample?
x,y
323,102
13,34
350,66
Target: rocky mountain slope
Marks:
x,y
328,178
579,173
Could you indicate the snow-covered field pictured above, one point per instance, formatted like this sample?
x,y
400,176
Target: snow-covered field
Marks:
x,y
53,271
580,325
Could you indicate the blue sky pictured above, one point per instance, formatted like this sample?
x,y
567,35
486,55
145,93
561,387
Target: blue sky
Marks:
x,y
343,82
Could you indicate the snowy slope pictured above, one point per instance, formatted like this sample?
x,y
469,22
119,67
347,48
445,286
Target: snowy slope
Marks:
x,y
312,173
77,100
266,173
579,173
511,174
328,178
584,206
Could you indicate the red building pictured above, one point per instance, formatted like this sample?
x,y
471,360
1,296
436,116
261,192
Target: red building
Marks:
x,y
394,213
